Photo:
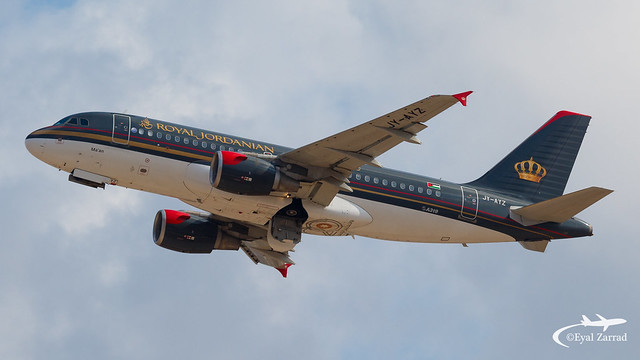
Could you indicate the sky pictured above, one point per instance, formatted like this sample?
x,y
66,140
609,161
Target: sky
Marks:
x,y
81,278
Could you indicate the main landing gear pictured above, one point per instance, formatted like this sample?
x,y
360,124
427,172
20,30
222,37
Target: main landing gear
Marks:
x,y
285,230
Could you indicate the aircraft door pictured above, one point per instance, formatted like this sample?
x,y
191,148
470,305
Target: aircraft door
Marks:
x,y
469,208
121,129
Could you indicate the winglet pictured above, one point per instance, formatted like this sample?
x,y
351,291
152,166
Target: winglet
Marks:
x,y
462,97
283,270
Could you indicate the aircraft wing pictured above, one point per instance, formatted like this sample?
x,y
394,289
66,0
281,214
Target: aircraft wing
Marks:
x,y
326,164
257,252
253,241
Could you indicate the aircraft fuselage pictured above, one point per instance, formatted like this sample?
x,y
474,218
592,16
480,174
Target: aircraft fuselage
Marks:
x,y
174,160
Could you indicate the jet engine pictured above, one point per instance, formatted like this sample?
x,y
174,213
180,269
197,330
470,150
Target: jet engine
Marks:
x,y
190,232
247,175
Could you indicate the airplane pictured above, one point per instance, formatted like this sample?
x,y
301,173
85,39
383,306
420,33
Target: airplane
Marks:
x,y
261,197
602,322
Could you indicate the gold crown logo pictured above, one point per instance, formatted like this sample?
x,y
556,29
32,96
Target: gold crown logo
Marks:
x,y
530,170
146,124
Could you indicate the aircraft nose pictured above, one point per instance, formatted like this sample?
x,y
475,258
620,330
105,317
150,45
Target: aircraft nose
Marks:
x,y
35,146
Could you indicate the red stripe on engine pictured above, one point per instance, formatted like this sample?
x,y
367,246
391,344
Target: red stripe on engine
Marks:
x,y
232,158
176,217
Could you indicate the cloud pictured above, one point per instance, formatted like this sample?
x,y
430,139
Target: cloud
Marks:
x,y
80,277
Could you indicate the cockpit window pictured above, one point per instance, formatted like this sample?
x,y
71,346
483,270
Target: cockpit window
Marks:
x,y
72,120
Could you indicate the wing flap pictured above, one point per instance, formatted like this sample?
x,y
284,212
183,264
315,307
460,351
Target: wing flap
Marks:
x,y
559,209
408,134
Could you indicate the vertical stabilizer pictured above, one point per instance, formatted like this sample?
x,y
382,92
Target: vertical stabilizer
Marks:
x,y
538,169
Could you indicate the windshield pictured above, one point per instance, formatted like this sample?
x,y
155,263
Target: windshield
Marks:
x,y
72,120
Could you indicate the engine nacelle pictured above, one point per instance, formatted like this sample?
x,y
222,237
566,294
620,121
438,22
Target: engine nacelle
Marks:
x,y
247,175
189,232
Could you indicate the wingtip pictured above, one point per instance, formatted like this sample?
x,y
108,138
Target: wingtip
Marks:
x,y
462,97
283,270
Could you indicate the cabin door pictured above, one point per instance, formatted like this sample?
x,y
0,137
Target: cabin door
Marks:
x,y
469,208
121,129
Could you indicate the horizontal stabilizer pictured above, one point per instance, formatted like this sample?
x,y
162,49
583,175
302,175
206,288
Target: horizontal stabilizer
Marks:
x,y
559,209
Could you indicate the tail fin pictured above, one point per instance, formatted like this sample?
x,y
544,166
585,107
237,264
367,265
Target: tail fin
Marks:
x,y
538,169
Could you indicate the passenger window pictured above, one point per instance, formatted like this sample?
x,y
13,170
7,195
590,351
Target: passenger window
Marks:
x,y
429,192
204,144
420,189
213,146
376,180
186,141
438,193
195,142
412,188
367,178
222,147
358,176
385,182
402,186
150,133
177,138
230,149
394,184
168,137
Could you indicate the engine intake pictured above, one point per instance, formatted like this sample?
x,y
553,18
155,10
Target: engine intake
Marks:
x,y
247,175
189,232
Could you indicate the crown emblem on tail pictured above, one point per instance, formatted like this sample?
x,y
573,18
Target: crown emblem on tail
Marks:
x,y
530,170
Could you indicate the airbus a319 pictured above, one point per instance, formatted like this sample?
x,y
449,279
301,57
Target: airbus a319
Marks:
x,y
261,197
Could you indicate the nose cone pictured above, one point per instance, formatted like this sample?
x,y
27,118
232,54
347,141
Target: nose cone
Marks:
x,y
35,145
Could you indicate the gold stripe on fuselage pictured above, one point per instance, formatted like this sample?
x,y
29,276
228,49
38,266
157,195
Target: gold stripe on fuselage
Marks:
x,y
137,144
167,150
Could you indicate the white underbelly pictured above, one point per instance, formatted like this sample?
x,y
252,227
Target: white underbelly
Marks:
x,y
346,215
396,223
